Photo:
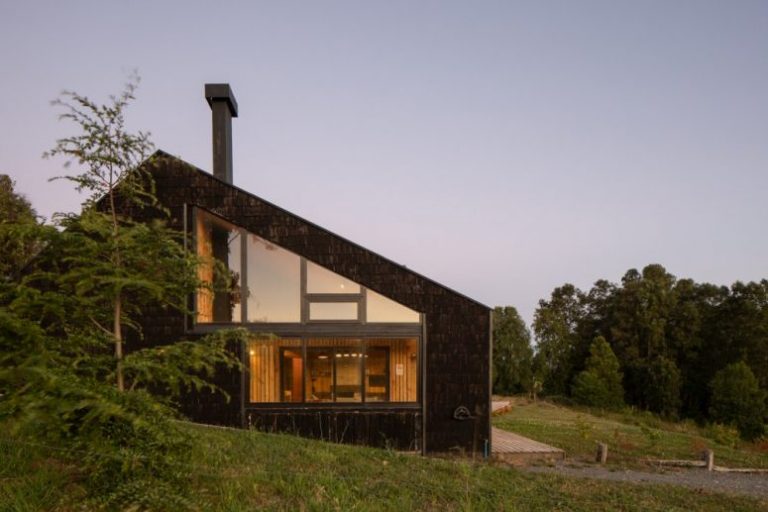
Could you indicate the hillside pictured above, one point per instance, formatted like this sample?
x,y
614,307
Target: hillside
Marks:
x,y
632,436
242,470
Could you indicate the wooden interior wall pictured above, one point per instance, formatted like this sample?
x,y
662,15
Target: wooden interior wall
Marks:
x,y
205,271
264,372
403,356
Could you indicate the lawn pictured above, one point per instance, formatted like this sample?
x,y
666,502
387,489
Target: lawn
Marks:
x,y
631,436
244,471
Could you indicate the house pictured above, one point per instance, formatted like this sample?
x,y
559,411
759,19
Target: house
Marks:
x,y
363,350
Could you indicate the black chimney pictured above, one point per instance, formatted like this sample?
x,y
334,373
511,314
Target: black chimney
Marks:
x,y
223,109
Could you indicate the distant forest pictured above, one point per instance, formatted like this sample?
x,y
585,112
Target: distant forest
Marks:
x,y
679,348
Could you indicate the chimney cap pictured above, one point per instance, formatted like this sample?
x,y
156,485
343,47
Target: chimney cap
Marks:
x,y
221,92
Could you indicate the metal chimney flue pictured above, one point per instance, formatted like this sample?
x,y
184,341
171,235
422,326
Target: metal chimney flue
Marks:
x,y
223,109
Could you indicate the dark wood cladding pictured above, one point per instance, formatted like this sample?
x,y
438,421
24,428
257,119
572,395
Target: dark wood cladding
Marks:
x,y
457,344
399,429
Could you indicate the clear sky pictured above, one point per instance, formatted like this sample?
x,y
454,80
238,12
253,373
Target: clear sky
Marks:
x,y
501,148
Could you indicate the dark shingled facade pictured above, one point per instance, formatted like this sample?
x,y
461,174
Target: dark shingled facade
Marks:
x,y
456,338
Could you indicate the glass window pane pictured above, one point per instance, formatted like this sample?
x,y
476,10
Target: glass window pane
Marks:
x,y
276,370
322,280
216,239
333,311
348,385
319,374
333,370
380,309
402,368
274,282
377,374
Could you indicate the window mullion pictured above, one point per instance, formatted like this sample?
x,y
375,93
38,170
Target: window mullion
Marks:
x,y
245,292
304,300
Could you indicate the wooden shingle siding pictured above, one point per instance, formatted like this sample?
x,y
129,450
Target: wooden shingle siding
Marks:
x,y
456,348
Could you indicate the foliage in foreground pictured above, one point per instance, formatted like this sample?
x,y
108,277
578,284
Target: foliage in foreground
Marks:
x,y
244,471
66,378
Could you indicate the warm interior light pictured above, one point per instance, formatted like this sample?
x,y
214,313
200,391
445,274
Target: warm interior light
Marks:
x,y
322,356
253,352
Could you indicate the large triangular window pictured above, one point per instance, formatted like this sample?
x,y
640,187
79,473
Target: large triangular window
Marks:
x,y
269,284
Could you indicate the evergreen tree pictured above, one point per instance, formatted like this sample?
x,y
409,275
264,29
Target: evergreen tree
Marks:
x,y
738,400
512,352
599,384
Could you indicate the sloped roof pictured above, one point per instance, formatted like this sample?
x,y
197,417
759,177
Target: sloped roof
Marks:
x,y
159,154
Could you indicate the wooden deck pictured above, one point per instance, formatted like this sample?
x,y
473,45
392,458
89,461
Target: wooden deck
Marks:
x,y
500,406
516,449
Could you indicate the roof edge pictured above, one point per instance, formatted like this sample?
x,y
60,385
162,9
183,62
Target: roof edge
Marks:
x,y
159,153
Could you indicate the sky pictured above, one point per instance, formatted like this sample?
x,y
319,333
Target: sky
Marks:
x,y
500,148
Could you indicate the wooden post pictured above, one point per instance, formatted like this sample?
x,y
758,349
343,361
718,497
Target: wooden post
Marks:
x,y
602,453
709,459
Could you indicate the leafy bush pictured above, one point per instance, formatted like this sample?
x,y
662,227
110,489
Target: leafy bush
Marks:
x,y
122,442
723,434
738,400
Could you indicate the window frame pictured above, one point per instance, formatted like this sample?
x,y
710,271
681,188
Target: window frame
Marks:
x,y
356,329
305,298
363,403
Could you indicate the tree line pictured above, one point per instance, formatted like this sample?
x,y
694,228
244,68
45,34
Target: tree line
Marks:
x,y
675,347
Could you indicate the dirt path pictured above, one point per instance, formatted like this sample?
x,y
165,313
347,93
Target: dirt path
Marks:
x,y
733,483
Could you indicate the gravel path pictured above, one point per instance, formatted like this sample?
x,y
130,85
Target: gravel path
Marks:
x,y
755,485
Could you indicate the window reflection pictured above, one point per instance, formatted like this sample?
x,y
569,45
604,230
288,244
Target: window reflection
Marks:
x,y
322,280
380,309
274,282
333,311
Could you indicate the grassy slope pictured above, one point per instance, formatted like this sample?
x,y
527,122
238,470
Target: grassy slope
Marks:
x,y
631,436
239,470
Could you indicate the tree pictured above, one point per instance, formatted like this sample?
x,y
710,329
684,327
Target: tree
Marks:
x,y
639,328
65,377
109,156
661,390
599,384
738,400
15,249
512,352
555,324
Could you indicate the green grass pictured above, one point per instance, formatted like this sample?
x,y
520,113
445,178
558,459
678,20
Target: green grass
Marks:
x,y
631,436
244,471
